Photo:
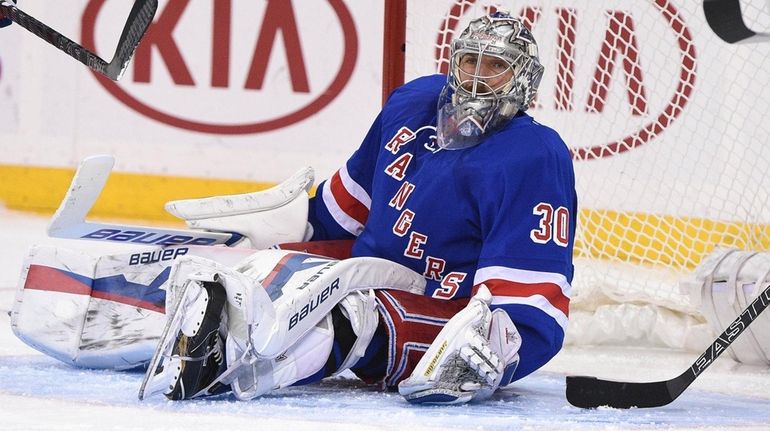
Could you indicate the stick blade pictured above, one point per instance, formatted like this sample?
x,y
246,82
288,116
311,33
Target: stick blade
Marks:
x,y
726,20
139,20
590,392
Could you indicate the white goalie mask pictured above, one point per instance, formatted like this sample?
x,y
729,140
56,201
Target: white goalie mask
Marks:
x,y
494,73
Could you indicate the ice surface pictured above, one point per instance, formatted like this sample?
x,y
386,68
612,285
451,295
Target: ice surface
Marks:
x,y
37,392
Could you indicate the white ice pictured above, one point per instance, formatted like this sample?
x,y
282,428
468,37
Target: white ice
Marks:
x,y
40,393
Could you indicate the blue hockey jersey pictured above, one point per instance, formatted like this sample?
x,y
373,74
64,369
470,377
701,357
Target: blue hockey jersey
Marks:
x,y
502,213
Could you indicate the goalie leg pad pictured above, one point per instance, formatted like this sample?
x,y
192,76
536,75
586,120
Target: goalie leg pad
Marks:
x,y
302,304
89,312
304,289
99,312
309,355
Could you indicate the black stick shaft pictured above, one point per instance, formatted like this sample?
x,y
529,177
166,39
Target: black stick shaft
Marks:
x,y
53,37
139,20
732,332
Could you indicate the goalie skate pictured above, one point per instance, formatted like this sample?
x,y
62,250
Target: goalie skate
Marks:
x,y
190,354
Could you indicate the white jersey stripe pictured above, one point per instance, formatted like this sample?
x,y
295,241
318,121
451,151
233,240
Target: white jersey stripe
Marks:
x,y
354,188
522,276
537,301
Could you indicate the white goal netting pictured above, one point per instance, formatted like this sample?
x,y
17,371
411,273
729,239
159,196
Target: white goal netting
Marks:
x,y
669,126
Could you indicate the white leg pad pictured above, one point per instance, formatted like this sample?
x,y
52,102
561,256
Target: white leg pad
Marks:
x,y
309,294
61,309
301,360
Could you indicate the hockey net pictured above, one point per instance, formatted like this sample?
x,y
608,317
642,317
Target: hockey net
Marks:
x,y
669,128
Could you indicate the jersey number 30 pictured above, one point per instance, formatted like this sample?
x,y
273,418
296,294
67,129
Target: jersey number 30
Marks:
x,y
553,225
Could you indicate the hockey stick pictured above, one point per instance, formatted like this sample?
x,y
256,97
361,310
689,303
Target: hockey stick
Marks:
x,y
726,19
142,14
69,220
590,392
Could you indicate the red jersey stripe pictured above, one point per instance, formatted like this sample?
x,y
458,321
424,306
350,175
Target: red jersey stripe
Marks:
x,y
346,201
551,291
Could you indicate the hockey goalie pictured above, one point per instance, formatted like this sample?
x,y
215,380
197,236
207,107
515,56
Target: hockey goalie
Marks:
x,y
437,261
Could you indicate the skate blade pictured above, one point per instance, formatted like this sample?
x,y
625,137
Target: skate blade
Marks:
x,y
162,371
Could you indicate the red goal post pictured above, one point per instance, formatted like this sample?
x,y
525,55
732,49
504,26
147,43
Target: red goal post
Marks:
x,y
393,46
669,126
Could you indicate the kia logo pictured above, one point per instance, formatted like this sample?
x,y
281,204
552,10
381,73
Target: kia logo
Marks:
x,y
611,44
206,67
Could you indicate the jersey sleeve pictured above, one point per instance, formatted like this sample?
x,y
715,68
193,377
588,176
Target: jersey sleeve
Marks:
x,y
341,205
526,256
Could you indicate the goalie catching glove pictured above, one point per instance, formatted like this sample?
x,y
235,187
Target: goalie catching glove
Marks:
x,y
474,354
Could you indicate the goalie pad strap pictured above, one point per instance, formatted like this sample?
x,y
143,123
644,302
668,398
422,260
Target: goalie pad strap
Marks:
x,y
300,361
359,308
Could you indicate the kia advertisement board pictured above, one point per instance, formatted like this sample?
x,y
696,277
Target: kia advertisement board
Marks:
x,y
222,88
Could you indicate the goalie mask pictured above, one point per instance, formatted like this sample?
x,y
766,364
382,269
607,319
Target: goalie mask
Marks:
x,y
494,73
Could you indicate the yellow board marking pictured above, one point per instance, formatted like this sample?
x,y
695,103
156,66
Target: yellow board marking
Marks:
x,y
125,196
637,237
